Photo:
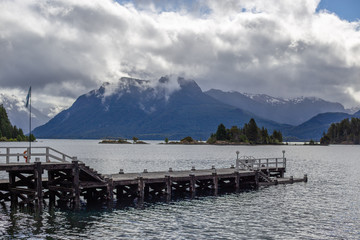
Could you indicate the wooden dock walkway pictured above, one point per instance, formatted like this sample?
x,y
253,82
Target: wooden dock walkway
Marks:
x,y
69,181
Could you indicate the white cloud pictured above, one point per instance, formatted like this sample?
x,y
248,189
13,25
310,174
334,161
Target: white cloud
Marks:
x,y
65,48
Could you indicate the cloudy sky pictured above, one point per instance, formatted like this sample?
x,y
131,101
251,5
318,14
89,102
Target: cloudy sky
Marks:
x,y
285,48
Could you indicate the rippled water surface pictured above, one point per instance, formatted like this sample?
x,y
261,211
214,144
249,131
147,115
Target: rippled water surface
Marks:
x,y
327,207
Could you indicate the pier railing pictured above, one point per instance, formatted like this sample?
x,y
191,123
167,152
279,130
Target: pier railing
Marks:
x,y
27,155
251,163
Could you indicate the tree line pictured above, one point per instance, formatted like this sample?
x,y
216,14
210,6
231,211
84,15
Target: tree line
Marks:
x,y
9,132
347,131
250,133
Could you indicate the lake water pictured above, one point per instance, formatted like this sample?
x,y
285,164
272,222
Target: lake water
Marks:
x,y
327,207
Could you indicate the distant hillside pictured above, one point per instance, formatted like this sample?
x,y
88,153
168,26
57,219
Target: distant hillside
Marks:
x,y
316,126
19,115
287,111
171,108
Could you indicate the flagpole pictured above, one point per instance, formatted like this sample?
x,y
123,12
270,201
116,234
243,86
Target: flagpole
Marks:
x,y
30,127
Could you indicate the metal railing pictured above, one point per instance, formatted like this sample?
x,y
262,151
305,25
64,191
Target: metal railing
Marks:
x,y
27,155
251,163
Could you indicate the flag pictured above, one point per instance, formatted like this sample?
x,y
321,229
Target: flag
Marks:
x,y
28,97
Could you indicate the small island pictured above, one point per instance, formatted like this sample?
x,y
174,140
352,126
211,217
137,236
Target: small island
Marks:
x,y
187,141
250,134
122,141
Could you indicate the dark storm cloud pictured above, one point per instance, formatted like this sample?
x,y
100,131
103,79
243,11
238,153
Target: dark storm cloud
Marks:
x,y
65,48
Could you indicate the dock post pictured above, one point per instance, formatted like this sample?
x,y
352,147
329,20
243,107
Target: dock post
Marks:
x,y
50,183
192,183
168,187
38,182
291,179
110,190
141,187
256,179
12,184
7,155
237,181
76,182
305,177
215,182
237,161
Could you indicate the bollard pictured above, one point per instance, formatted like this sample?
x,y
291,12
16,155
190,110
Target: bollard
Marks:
x,y
305,178
291,179
170,169
232,166
193,168
121,171
214,171
145,170
212,166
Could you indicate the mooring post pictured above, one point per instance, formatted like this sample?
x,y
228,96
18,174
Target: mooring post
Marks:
x,y
305,177
192,183
38,182
291,179
76,182
284,159
215,182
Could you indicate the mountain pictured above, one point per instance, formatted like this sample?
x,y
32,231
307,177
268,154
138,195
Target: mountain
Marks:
x,y
173,108
19,114
316,126
287,111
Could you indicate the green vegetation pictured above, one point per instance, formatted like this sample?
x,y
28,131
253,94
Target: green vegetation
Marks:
x,y
119,141
187,139
123,141
9,132
249,134
345,132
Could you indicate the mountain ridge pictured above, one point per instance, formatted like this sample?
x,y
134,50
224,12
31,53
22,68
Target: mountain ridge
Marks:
x,y
140,108
286,111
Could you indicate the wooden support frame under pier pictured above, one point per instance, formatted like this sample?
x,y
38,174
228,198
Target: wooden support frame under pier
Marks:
x,y
70,183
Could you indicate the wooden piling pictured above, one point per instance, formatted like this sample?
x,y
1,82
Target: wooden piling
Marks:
x,y
141,187
215,183
76,183
38,183
192,183
237,181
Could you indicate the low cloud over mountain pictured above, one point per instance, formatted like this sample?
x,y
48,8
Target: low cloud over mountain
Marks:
x,y
278,47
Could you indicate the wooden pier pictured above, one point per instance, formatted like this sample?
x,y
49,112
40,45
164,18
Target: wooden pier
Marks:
x,y
68,181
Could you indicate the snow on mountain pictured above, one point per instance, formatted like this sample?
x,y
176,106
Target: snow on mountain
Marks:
x,y
292,111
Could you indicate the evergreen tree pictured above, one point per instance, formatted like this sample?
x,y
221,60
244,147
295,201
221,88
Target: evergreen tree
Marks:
x,y
221,132
9,132
347,131
252,131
